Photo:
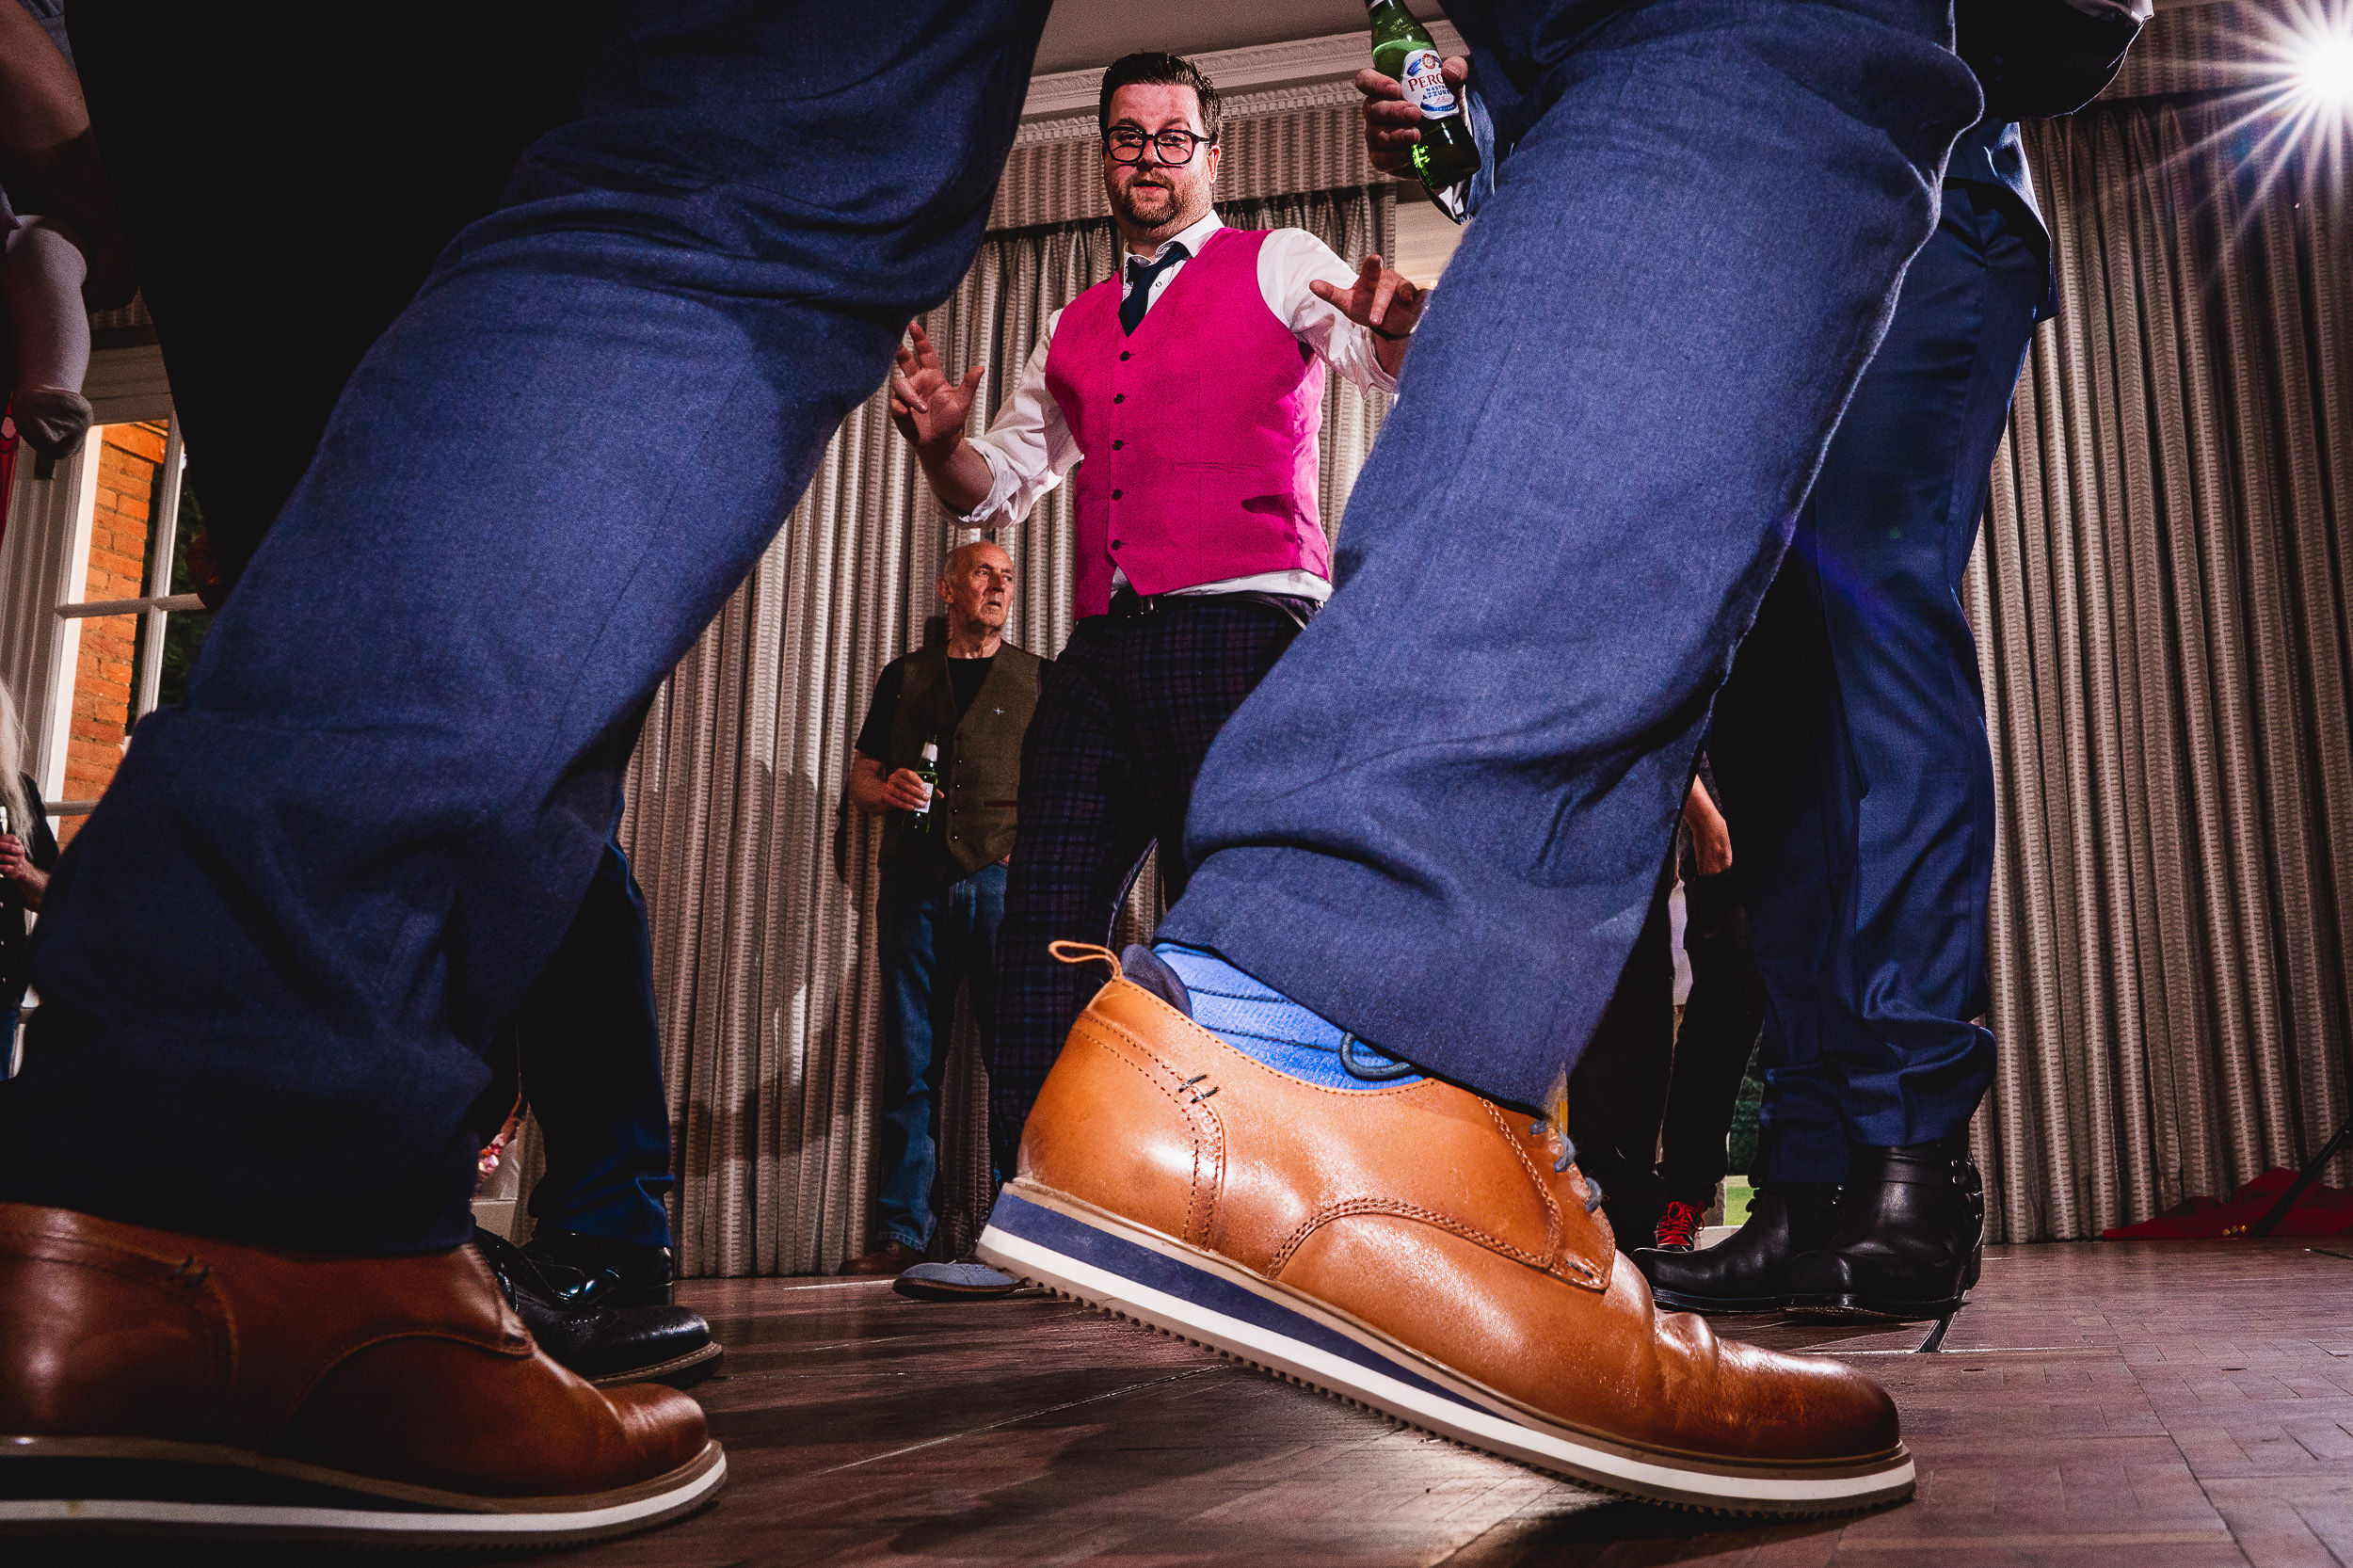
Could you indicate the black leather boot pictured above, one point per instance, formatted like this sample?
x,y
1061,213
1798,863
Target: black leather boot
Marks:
x,y
1747,1270
1909,1238
595,1271
603,1344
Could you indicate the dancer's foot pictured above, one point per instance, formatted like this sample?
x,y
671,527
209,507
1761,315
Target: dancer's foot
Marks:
x,y
1749,1270
51,420
596,1270
605,1344
965,1280
1678,1228
1315,1209
164,1384
1910,1231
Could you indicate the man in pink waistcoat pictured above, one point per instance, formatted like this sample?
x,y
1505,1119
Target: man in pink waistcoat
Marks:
x,y
1192,383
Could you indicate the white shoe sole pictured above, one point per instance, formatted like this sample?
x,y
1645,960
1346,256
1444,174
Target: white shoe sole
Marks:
x,y
101,1486
1078,1250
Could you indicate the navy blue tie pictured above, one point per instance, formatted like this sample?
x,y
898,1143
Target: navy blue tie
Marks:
x,y
1142,275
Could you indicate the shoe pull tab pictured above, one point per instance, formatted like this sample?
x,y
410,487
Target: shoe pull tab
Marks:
x,y
1085,953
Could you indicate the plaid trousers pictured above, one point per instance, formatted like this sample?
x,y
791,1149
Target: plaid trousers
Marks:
x,y
1128,711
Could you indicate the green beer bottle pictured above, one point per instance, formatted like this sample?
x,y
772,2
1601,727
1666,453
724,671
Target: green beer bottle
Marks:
x,y
1447,153
921,819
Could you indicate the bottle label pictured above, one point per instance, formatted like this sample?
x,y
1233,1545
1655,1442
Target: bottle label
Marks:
x,y
1425,85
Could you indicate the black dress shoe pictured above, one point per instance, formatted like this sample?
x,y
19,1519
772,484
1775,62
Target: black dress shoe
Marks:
x,y
603,1344
594,1270
1911,1236
1746,1271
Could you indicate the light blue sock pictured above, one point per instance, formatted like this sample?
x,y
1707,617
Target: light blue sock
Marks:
x,y
1268,1026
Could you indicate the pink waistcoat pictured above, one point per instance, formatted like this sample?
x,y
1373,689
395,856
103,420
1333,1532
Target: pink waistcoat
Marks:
x,y
1198,432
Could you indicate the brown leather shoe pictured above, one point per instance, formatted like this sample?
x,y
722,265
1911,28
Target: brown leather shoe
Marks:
x,y
1414,1249
158,1383
885,1262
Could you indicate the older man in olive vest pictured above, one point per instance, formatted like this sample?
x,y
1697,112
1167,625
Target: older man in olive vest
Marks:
x,y
969,699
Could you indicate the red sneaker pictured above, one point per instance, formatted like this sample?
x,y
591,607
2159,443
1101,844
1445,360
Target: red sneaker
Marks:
x,y
1678,1228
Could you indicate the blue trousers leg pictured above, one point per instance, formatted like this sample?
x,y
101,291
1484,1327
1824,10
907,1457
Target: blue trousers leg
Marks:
x,y
1857,762
312,893
1439,819
933,935
591,1058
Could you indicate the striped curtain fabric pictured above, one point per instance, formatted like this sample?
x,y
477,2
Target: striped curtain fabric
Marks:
x,y
761,882
2164,604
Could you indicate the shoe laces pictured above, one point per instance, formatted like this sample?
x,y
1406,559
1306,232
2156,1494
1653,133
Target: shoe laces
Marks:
x,y
1679,1226
1567,1157
1371,1065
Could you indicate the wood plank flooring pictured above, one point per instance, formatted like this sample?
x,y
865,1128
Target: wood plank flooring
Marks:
x,y
2135,1405
2151,1405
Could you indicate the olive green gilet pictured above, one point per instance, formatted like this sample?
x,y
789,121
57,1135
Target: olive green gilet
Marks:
x,y
979,760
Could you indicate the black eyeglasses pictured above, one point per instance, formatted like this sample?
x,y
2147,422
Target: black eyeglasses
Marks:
x,y
1125,145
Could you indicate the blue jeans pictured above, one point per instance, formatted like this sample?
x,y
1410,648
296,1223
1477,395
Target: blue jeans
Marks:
x,y
272,958
1438,821
932,935
591,1060
1850,743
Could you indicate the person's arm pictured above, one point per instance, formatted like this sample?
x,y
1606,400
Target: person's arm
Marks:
x,y
875,792
1001,472
1393,129
1711,836
2039,59
49,157
17,867
1357,320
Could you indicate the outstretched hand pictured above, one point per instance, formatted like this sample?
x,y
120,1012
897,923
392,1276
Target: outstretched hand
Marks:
x,y
1382,298
1392,124
928,408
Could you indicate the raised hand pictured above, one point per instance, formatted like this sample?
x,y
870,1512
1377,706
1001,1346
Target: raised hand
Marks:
x,y
1381,298
1391,123
928,408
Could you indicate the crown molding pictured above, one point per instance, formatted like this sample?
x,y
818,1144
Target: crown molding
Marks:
x,y
1243,77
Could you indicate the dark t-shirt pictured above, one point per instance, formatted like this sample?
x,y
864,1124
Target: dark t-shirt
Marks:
x,y
964,679
40,847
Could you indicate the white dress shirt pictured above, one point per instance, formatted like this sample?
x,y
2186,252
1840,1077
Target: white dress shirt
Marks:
x,y
1028,448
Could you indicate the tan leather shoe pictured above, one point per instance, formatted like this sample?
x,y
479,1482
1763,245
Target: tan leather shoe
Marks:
x,y
1412,1249
152,1382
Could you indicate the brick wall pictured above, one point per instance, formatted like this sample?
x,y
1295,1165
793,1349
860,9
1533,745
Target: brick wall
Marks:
x,y
129,457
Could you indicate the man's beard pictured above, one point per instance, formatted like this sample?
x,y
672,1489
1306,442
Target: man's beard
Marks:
x,y
1129,210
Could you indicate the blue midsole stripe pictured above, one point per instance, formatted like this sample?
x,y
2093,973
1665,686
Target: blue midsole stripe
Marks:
x,y
1075,1239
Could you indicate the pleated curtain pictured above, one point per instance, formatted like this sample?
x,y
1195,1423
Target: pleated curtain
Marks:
x,y
761,881
2161,602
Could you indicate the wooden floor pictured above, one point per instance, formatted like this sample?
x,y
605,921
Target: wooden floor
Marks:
x,y
2152,1404
2147,1406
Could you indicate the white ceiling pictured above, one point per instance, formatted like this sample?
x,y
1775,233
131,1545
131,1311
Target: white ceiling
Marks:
x,y
1084,33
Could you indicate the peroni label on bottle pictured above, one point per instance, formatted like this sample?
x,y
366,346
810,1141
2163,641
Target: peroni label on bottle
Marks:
x,y
1425,85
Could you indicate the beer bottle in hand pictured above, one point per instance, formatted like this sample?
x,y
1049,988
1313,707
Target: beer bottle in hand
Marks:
x,y
1447,153
921,819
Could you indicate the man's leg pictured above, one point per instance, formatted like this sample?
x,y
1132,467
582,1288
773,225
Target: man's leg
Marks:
x,y
975,918
591,1048
1432,832
1618,1094
1187,668
1080,832
1896,517
1717,1037
916,938
1771,749
312,893
1478,748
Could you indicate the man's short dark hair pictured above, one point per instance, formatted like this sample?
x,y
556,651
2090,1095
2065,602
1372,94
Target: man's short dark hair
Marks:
x,y
1157,70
